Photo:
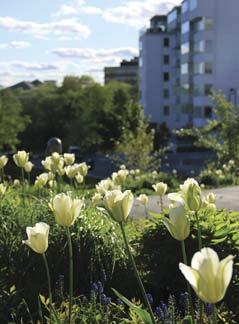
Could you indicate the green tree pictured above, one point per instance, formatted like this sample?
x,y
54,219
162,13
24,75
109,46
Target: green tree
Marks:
x,y
12,122
135,148
220,134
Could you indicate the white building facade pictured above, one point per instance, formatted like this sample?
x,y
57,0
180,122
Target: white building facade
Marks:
x,y
186,54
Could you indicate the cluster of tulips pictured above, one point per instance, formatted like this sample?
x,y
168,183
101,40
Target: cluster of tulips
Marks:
x,y
208,276
55,167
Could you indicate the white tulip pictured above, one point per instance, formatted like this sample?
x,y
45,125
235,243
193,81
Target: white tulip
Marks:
x,y
21,158
66,209
38,237
208,276
119,204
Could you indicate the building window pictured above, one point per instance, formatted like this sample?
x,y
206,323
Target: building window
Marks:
x,y
166,93
208,112
202,46
203,67
208,23
184,6
197,112
204,24
207,89
166,110
185,27
166,76
185,48
184,68
193,4
166,59
140,61
166,42
172,16
207,68
185,87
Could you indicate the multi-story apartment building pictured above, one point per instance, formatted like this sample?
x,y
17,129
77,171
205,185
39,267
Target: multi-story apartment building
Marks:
x,y
186,54
127,72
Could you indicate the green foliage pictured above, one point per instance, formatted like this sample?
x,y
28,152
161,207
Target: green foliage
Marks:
x,y
80,112
135,147
143,182
220,135
96,246
12,122
157,251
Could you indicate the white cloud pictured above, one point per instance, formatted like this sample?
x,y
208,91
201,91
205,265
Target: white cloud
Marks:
x,y
97,56
15,45
15,71
134,13
33,66
70,28
65,10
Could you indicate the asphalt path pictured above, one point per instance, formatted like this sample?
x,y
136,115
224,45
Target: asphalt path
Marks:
x,y
227,198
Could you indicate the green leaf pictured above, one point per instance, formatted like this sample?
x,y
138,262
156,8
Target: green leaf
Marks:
x,y
42,299
155,215
187,320
222,232
220,240
143,314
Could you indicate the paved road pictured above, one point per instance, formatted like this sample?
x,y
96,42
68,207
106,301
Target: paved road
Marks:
x,y
225,198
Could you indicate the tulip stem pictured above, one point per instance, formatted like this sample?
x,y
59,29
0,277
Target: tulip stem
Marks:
x,y
48,279
214,313
141,286
23,187
199,231
48,276
2,173
199,247
161,204
70,273
188,286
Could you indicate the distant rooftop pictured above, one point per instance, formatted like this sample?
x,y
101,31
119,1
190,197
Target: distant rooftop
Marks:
x,y
28,85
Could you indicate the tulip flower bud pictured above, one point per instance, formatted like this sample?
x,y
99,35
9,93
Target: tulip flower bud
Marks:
x,y
55,158
83,169
106,185
119,204
177,224
16,183
160,188
2,189
96,198
71,171
41,180
47,163
143,199
21,158
28,166
66,209
3,161
194,197
211,198
79,178
208,276
38,237
69,158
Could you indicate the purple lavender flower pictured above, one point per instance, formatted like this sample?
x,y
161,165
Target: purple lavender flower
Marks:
x,y
150,298
100,287
159,312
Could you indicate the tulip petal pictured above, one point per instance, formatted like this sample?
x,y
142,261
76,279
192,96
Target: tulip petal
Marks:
x,y
191,275
206,261
224,274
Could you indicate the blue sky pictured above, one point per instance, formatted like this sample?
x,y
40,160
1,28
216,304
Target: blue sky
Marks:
x,y
48,39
